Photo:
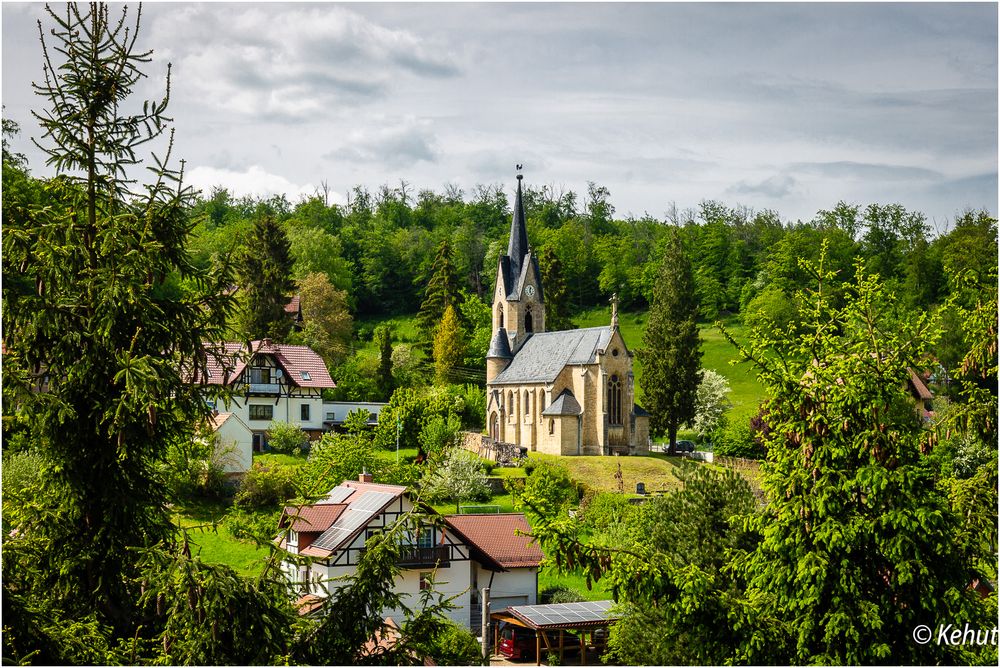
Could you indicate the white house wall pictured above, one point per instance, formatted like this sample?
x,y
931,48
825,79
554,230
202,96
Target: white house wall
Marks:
x,y
235,441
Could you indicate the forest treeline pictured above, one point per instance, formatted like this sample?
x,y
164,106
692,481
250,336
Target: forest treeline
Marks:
x,y
381,245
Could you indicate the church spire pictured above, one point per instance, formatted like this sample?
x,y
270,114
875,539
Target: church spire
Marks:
x,y
518,246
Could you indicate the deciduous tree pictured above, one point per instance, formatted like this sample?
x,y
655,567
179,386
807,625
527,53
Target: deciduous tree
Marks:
x,y
328,322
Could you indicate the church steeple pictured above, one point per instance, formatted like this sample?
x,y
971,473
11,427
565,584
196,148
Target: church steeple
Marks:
x,y
518,246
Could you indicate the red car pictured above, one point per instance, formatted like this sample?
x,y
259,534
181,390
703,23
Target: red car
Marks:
x,y
518,642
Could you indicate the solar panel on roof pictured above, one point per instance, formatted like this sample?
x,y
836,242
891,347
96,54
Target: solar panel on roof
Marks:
x,y
565,614
356,515
338,495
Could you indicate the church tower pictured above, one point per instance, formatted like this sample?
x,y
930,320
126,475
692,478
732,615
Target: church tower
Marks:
x,y
518,301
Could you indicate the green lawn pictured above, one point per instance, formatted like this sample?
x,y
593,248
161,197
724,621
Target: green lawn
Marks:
x,y
215,545
271,458
548,577
598,473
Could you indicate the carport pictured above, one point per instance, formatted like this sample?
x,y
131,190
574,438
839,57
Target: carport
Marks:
x,y
588,619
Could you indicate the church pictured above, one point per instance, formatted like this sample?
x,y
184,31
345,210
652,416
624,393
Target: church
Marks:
x,y
559,393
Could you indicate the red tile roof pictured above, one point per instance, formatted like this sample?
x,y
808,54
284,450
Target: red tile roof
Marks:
x,y
227,361
919,387
317,518
308,603
496,537
292,307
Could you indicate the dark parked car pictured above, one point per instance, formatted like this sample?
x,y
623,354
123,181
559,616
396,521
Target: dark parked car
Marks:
x,y
685,446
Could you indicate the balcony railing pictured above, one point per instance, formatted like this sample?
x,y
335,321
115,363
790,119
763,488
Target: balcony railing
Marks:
x,y
263,388
418,557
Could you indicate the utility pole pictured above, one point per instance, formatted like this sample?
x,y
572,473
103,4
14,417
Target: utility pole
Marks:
x,y
485,601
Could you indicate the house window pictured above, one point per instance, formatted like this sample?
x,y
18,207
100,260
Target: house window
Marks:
x,y
304,412
615,401
330,417
305,375
261,412
425,581
425,538
260,376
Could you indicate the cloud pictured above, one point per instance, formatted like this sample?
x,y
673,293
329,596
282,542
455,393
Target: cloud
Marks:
x,y
864,171
777,186
291,63
403,145
254,181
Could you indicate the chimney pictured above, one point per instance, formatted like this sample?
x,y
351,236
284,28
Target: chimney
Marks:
x,y
365,476
266,342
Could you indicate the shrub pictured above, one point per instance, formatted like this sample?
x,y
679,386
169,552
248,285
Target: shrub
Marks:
x,y
548,487
603,510
439,433
286,439
196,467
559,594
253,526
736,440
452,645
266,486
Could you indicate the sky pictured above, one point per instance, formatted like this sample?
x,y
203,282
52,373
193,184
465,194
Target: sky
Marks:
x,y
790,107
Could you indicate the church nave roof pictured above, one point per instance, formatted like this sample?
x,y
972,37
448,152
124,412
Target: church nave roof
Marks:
x,y
544,355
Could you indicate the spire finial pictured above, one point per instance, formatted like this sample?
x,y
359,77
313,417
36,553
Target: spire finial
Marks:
x,y
519,174
614,311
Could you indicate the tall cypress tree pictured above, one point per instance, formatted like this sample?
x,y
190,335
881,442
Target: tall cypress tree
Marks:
x,y
556,299
671,353
442,291
265,270
97,341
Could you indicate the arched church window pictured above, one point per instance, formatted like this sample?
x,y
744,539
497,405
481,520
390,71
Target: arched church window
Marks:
x,y
527,404
552,426
499,316
510,404
529,325
615,401
541,401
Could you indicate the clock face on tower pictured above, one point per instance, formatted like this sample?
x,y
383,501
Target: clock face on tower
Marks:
x,y
530,291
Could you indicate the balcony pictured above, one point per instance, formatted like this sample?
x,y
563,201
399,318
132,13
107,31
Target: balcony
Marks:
x,y
411,556
264,388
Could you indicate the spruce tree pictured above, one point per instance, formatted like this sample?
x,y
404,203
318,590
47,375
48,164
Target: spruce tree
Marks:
x,y
556,298
671,353
265,272
383,341
98,344
442,291
449,347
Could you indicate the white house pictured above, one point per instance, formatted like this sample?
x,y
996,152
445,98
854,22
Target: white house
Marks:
x,y
469,552
271,382
235,442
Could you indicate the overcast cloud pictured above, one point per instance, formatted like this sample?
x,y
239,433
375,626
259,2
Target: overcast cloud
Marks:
x,y
784,106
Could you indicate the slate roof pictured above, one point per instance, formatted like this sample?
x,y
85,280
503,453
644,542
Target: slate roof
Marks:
x,y
495,536
227,361
543,355
519,260
639,411
500,346
565,404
